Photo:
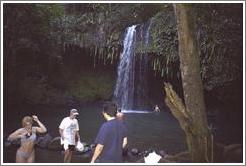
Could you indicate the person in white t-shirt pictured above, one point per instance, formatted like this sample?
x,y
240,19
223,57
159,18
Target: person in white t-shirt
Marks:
x,y
69,130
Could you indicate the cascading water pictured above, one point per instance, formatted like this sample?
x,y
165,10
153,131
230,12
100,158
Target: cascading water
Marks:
x,y
141,79
131,86
124,91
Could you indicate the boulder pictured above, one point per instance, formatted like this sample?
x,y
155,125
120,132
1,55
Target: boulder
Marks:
x,y
55,144
44,141
134,151
162,153
233,153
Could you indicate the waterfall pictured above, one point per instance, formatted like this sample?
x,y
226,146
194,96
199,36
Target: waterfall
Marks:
x,y
131,91
124,91
141,79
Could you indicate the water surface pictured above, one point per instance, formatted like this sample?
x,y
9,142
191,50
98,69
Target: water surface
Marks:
x,y
158,131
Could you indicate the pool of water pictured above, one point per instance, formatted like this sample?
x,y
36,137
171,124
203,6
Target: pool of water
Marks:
x,y
158,131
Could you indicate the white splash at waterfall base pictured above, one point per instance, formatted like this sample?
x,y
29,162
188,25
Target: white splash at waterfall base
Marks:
x,y
136,111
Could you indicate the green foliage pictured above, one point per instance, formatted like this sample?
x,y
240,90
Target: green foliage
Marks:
x,y
27,27
81,87
219,31
92,87
164,43
99,27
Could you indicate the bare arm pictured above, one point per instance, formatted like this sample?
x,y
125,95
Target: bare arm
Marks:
x,y
16,134
77,131
97,152
61,133
41,128
78,136
124,142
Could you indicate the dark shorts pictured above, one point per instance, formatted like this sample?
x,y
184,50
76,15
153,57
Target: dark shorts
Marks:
x,y
70,147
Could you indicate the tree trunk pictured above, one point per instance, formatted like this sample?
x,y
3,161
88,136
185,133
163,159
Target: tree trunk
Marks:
x,y
191,115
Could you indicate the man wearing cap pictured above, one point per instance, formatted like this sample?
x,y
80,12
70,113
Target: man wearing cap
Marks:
x,y
69,130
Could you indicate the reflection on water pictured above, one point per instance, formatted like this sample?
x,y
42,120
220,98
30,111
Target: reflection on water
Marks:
x,y
155,130
136,111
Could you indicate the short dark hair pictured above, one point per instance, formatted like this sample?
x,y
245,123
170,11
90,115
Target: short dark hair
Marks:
x,y
110,108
